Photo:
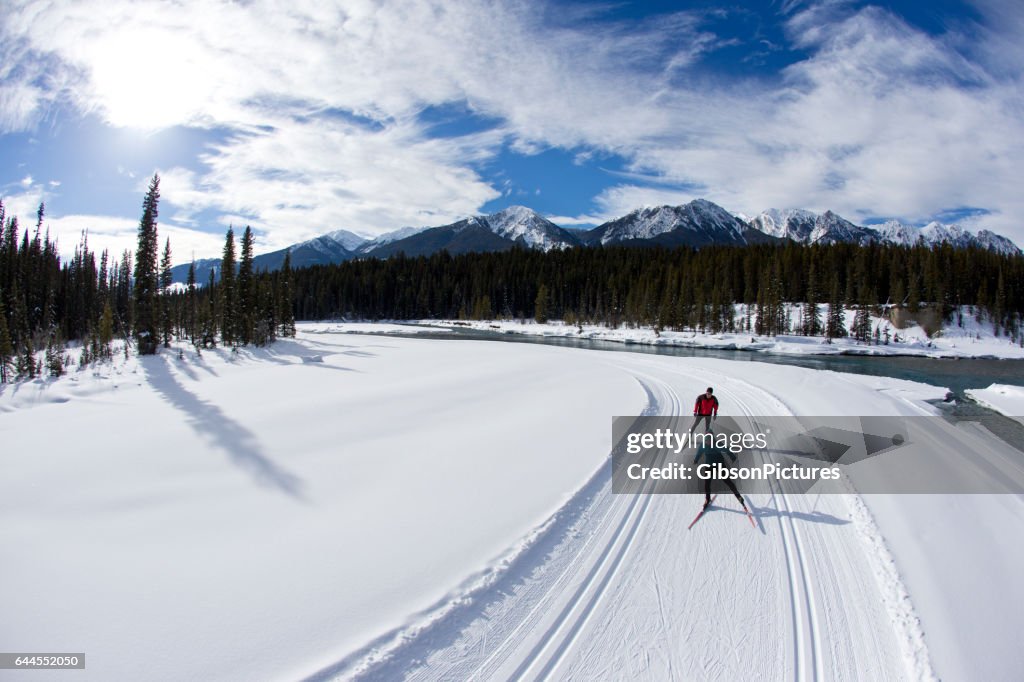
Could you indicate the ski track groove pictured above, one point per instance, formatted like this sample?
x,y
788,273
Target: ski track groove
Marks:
x,y
538,592
583,614
806,665
806,656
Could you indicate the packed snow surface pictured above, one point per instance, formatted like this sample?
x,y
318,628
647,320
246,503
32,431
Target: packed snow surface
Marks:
x,y
348,505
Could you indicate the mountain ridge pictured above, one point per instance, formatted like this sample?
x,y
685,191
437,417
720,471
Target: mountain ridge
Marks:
x,y
697,223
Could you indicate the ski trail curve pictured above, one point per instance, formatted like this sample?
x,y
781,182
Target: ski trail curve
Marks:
x,y
490,631
903,622
806,632
610,587
559,638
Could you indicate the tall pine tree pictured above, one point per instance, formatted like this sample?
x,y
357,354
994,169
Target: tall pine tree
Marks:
x,y
228,292
147,282
835,325
6,347
285,313
247,298
166,279
191,310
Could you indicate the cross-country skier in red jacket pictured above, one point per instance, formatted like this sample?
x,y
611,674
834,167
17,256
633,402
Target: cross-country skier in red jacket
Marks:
x,y
705,408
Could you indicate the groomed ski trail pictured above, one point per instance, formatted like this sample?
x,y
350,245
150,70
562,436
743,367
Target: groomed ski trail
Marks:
x,y
614,587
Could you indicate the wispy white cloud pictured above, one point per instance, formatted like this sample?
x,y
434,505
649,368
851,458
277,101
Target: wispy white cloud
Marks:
x,y
881,119
280,74
324,100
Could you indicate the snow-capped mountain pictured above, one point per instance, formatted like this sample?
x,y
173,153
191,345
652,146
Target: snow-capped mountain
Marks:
x,y
997,242
320,250
388,237
796,224
523,225
697,223
495,232
895,232
937,233
830,228
349,240
806,227
323,250
934,233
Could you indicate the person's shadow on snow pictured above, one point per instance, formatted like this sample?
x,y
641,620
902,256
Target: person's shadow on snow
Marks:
x,y
209,421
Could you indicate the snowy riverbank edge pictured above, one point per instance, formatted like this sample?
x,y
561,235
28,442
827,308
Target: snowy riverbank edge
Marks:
x,y
969,342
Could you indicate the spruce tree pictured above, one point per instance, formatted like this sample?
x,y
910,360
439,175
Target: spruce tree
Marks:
x,y
191,312
146,273
835,326
285,312
25,365
540,304
209,313
999,308
55,357
228,292
166,279
811,321
106,332
6,347
247,299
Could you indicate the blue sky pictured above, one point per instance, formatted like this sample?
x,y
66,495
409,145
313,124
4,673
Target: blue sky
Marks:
x,y
303,117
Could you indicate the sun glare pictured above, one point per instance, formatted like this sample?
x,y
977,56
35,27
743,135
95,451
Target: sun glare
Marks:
x,y
150,79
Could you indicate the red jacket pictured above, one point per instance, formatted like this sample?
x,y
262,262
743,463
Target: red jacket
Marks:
x,y
705,405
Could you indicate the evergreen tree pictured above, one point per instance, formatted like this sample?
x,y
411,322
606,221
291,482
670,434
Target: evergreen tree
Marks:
x,y
6,346
208,315
540,304
55,357
228,292
191,310
146,273
166,279
835,326
265,328
247,300
862,324
106,332
25,365
811,321
285,313
999,309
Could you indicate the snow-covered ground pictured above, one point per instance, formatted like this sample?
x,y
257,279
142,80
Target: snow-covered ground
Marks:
x,y
370,506
964,338
1008,400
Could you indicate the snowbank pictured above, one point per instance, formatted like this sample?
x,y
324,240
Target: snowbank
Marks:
x,y
1009,400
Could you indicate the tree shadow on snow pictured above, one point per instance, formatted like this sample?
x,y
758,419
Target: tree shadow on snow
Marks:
x,y
221,431
281,352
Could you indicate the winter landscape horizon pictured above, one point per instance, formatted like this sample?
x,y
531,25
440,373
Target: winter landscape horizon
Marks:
x,y
453,340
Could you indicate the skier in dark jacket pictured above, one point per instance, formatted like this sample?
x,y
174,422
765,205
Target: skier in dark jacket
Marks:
x,y
712,455
705,408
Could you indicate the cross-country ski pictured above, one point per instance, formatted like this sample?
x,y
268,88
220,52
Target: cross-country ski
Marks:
x,y
703,509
